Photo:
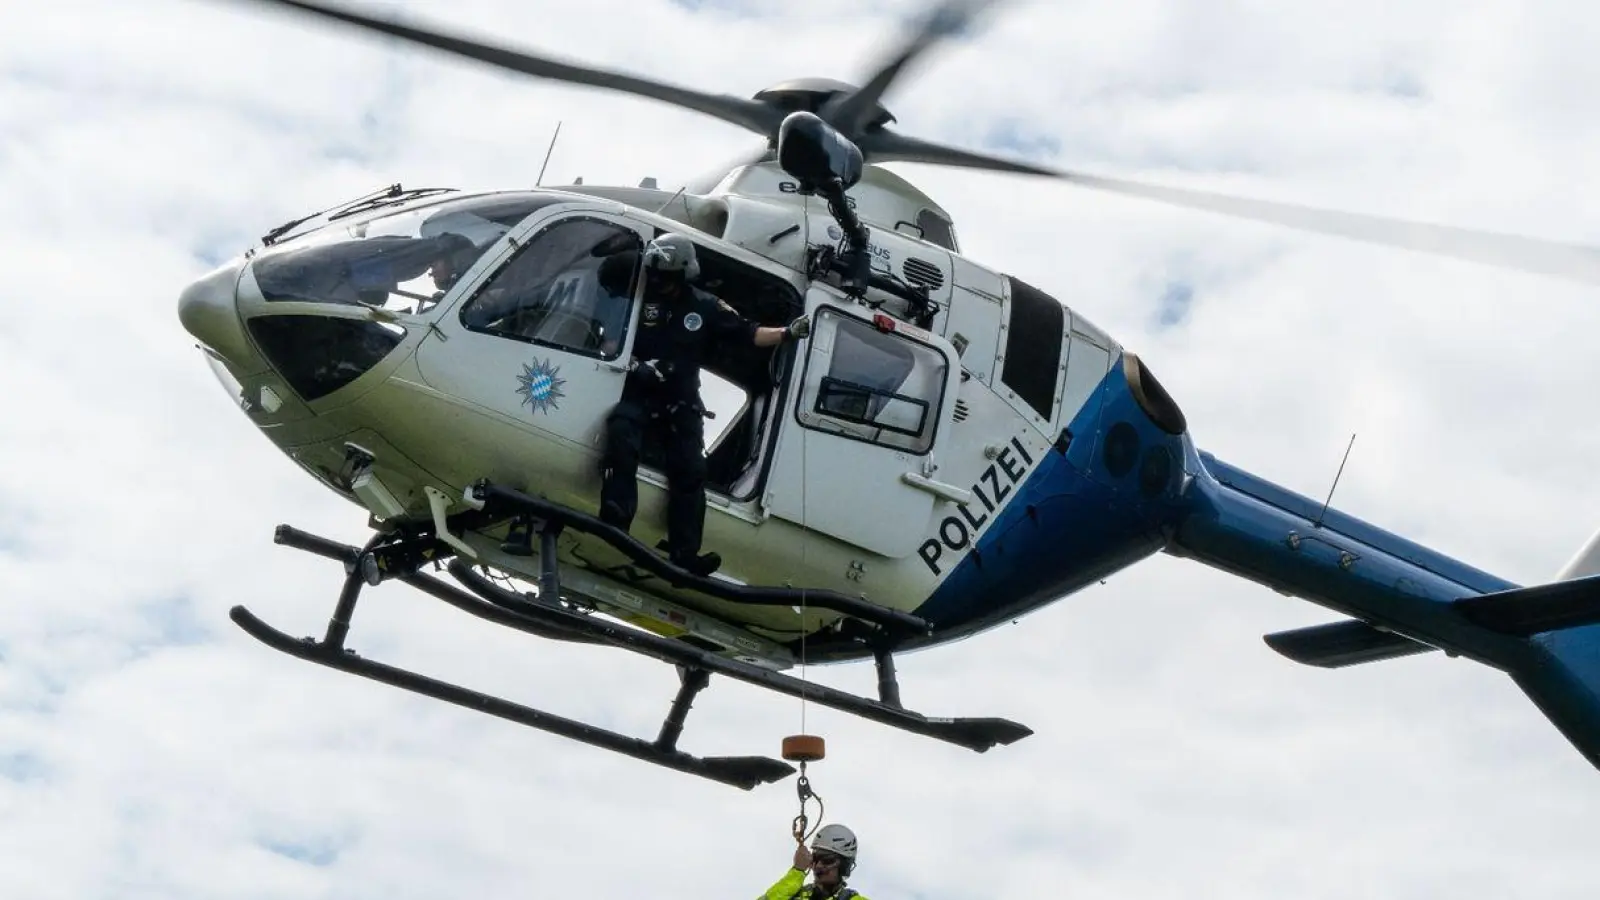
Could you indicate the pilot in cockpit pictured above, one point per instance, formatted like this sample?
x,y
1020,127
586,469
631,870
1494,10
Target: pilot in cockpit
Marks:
x,y
453,255
445,257
461,237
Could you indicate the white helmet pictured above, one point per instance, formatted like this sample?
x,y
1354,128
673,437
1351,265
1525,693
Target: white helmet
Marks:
x,y
672,253
836,839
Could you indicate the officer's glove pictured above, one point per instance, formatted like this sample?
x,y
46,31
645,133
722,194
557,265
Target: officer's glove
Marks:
x,y
647,370
797,329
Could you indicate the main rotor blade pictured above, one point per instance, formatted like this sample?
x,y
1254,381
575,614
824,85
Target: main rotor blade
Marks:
x,y
884,145
850,113
1509,251
749,114
1569,261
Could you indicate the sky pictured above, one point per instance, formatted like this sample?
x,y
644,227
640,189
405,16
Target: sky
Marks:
x,y
148,748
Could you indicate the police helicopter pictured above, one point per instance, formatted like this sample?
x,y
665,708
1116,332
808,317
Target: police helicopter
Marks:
x,y
951,447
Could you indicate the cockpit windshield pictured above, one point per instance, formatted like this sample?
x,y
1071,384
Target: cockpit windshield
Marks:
x,y
404,262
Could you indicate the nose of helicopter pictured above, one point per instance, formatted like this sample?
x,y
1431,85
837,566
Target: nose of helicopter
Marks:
x,y
209,311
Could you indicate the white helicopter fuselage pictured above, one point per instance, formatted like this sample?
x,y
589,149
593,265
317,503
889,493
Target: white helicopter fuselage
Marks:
x,y
871,465
948,450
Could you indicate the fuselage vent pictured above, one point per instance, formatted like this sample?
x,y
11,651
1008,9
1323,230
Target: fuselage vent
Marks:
x,y
922,272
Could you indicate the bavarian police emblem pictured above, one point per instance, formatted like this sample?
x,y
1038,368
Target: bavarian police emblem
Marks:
x,y
540,386
692,321
652,313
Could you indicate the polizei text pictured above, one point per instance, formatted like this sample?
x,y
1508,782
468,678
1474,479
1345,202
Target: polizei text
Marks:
x,y
958,532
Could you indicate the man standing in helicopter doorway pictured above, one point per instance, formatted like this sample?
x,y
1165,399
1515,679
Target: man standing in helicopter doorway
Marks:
x,y
830,860
678,324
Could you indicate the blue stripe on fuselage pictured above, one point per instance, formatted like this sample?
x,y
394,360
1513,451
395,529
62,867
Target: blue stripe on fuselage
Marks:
x,y
1103,504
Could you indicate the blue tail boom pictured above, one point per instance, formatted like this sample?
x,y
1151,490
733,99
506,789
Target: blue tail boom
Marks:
x,y
1401,598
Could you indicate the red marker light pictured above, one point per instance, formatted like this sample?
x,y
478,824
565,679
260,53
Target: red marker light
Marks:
x,y
883,322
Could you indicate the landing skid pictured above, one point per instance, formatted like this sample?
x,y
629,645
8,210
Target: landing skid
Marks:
x,y
403,560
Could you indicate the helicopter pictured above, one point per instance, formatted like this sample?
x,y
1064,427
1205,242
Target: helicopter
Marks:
x,y
950,449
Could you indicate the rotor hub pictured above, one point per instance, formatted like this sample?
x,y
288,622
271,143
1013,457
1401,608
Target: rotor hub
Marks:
x,y
811,94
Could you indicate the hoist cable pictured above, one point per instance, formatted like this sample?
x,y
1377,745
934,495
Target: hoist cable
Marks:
x,y
802,746
805,538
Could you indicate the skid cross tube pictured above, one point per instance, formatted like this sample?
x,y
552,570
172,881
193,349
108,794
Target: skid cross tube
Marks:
x,y
694,681
888,683
498,499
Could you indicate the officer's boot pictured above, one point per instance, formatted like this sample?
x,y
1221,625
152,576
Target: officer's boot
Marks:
x,y
686,514
702,564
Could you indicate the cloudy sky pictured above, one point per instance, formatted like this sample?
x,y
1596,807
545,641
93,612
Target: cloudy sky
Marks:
x,y
150,749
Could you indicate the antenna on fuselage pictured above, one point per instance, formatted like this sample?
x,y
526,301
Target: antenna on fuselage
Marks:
x,y
675,195
1318,522
547,152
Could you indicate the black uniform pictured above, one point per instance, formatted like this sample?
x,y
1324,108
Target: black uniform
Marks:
x,y
675,336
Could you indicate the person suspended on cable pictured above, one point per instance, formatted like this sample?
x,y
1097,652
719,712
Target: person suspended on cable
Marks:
x,y
830,860
678,324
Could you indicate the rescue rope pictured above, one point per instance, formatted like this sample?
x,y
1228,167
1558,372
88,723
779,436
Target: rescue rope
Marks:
x,y
805,541
803,785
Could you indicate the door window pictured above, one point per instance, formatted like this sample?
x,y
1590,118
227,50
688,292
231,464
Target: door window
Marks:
x,y
570,286
874,385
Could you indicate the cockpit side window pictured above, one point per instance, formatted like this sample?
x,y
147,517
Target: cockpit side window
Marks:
x,y
406,261
570,286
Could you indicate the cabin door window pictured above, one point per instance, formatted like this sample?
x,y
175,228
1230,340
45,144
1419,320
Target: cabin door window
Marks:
x,y
869,403
541,340
873,385
570,287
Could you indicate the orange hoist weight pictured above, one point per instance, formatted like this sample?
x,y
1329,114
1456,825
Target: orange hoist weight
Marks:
x,y
804,748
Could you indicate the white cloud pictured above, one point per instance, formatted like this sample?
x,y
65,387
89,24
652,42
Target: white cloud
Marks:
x,y
148,748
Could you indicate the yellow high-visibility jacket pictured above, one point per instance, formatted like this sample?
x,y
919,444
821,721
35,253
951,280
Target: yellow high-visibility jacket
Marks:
x,y
792,886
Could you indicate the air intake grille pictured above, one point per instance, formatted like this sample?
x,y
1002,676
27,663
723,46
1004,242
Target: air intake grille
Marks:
x,y
961,411
920,271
